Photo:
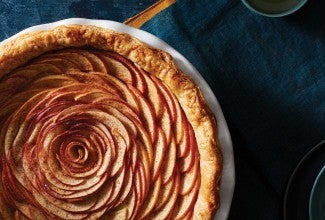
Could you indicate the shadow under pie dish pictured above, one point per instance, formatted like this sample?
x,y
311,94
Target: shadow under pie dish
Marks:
x,y
96,124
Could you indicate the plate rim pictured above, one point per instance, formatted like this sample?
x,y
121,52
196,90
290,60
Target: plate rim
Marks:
x,y
228,167
314,188
292,176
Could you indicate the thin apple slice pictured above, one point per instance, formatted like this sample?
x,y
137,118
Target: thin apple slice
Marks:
x,y
136,72
160,147
58,62
28,211
117,69
124,119
78,59
121,214
179,122
143,140
80,205
48,82
118,180
186,162
143,168
44,69
14,83
119,105
95,82
147,114
188,216
166,190
186,203
140,82
97,63
169,165
138,192
120,154
20,100
127,187
151,199
130,204
14,189
154,97
181,132
183,147
136,79
188,178
128,96
165,123
168,97
23,73
51,208
165,211
133,156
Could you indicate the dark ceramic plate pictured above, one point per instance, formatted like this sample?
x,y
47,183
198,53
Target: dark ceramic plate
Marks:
x,y
296,200
317,198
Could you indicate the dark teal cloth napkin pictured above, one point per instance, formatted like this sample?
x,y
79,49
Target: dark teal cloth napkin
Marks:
x,y
16,15
269,77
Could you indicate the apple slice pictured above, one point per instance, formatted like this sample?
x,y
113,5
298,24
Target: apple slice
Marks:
x,y
180,130
169,166
127,208
95,82
49,207
160,147
124,119
121,214
48,82
188,178
168,97
186,203
165,124
154,97
143,167
186,162
166,190
132,203
117,69
128,96
136,79
78,59
188,216
97,63
23,73
13,83
165,211
127,184
14,189
147,114
62,64
119,105
119,181
44,69
151,199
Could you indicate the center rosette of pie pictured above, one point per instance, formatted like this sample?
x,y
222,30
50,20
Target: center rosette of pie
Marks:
x,y
88,134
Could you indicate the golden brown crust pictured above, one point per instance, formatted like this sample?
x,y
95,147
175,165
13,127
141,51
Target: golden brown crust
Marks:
x,y
30,45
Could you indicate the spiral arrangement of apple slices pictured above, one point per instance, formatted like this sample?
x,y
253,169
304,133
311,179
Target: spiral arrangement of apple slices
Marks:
x,y
87,134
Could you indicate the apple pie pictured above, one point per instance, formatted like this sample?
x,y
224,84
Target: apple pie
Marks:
x,y
95,124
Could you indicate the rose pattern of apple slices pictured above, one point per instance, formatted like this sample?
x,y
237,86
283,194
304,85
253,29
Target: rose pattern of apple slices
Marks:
x,y
87,134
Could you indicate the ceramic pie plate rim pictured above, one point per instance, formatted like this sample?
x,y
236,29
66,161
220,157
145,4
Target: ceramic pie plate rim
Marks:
x,y
228,171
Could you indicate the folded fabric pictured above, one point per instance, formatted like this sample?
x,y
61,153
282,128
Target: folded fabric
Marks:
x,y
268,75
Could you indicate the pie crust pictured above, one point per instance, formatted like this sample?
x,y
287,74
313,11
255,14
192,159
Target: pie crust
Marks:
x,y
26,47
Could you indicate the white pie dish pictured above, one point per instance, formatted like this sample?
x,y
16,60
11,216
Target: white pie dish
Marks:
x,y
228,172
